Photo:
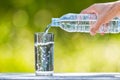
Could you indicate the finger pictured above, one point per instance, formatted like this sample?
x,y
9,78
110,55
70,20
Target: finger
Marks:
x,y
91,29
92,33
103,19
95,27
99,25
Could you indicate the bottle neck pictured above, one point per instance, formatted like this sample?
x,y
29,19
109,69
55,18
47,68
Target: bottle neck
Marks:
x,y
55,22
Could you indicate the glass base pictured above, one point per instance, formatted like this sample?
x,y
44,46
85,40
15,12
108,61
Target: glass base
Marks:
x,y
44,73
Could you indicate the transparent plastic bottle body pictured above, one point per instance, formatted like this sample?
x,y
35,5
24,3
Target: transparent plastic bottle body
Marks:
x,y
82,23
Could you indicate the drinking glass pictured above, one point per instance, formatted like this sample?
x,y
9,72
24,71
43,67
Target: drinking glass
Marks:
x,y
44,50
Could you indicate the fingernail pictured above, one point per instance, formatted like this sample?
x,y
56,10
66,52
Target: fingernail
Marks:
x,y
92,33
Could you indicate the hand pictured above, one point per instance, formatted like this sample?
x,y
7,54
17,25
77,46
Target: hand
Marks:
x,y
104,11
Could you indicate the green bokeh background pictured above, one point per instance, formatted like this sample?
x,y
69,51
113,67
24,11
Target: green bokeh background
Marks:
x,y
73,52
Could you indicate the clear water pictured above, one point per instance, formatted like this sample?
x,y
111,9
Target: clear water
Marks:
x,y
44,52
84,26
46,29
44,56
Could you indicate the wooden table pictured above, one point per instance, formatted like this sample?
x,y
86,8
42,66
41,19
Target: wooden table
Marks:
x,y
61,76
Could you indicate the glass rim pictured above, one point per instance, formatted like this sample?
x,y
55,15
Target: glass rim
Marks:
x,y
43,32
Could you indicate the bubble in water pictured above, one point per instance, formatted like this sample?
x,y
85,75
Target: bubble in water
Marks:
x,y
48,51
45,56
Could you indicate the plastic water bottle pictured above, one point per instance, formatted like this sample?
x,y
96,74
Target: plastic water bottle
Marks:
x,y
82,22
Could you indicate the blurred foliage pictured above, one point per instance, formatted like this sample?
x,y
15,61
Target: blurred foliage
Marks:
x,y
74,52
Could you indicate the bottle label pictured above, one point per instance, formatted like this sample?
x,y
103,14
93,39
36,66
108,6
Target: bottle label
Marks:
x,y
88,17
